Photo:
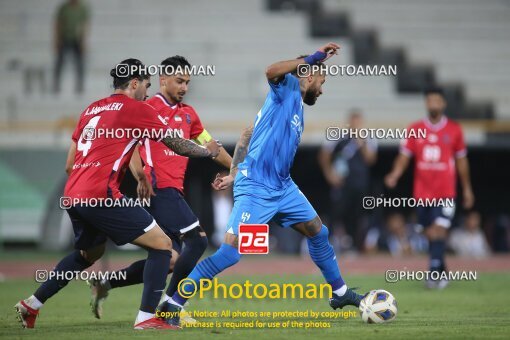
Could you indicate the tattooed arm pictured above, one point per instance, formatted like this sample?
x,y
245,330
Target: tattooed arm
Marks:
x,y
188,148
239,154
241,150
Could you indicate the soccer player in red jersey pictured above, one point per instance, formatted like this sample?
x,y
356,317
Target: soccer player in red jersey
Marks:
x,y
438,157
96,165
162,179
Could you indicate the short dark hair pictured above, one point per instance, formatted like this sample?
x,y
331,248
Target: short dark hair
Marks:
x,y
176,61
123,73
434,90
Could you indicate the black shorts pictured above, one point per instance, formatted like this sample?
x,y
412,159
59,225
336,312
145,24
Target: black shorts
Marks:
x,y
173,214
92,225
441,216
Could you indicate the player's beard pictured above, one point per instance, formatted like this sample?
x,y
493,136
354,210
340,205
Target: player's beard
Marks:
x,y
140,96
310,97
178,98
434,113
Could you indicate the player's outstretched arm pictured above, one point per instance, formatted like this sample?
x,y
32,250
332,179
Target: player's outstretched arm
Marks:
x,y
223,159
222,183
277,71
400,165
188,148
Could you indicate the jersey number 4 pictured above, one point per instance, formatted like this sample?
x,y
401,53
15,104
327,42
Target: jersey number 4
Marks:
x,y
87,136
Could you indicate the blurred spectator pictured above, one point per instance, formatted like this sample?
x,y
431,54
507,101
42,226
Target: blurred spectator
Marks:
x,y
345,164
71,26
222,207
468,240
397,237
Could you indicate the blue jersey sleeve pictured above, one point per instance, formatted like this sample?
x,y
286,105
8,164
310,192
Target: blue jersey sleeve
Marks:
x,y
280,90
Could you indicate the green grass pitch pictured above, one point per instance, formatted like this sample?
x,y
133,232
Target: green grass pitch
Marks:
x,y
464,310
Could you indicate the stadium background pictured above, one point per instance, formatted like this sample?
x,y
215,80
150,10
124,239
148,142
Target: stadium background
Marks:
x,y
460,45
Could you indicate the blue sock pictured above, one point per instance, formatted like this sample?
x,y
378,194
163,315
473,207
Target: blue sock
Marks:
x,y
70,263
154,278
324,257
436,251
223,258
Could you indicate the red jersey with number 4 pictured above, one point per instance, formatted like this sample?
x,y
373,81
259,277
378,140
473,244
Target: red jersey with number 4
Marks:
x,y
100,163
163,167
434,169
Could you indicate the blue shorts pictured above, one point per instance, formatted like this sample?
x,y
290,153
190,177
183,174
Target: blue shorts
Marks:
x,y
173,214
255,203
441,216
92,225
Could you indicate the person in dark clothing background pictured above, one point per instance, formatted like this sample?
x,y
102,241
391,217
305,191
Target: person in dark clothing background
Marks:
x,y
345,164
71,26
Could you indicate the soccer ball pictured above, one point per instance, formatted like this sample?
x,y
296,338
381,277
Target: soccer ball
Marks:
x,y
378,306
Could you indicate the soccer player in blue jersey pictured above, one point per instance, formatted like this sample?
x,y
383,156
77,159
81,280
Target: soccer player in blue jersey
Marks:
x,y
263,188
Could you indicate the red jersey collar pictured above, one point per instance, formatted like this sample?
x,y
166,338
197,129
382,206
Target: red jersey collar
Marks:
x,y
165,101
437,126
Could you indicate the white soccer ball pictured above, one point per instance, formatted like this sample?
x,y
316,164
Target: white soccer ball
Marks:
x,y
378,306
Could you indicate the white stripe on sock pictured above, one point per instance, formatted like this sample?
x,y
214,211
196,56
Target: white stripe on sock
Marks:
x,y
341,291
